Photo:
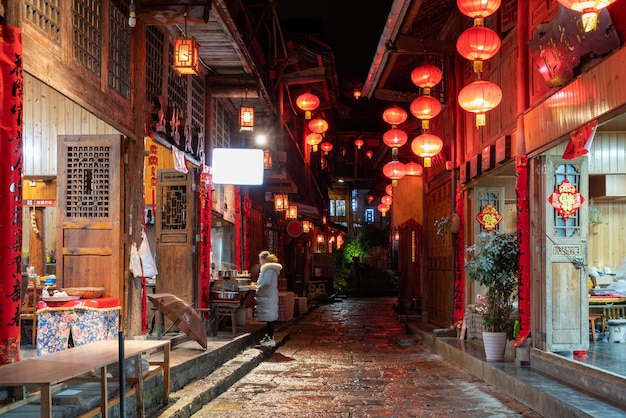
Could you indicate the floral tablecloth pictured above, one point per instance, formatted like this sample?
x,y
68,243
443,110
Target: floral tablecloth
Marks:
x,y
86,320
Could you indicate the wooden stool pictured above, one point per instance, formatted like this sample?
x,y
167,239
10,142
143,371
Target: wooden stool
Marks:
x,y
222,312
592,323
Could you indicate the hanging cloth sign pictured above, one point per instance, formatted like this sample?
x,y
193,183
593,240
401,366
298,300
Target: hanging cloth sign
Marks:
x,y
580,141
489,217
566,199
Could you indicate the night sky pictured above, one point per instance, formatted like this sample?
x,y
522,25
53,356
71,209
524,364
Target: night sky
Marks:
x,y
351,27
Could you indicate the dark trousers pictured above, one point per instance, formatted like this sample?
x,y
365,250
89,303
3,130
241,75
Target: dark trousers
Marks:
x,y
270,328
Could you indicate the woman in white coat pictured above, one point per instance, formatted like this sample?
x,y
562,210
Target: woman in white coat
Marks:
x,y
267,295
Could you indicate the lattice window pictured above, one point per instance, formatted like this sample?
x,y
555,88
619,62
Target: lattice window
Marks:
x,y
87,34
220,135
88,182
571,226
155,39
177,86
174,204
508,15
46,16
197,102
119,49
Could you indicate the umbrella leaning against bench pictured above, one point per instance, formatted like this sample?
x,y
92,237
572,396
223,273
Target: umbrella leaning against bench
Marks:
x,y
182,315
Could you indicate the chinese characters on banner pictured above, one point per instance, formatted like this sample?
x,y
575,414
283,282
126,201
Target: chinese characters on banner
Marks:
x,y
205,235
11,176
523,240
459,265
580,141
489,217
566,199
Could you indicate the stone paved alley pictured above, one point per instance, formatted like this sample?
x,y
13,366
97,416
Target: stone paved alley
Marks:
x,y
353,359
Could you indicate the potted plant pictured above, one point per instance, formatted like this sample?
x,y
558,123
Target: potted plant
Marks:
x,y
493,262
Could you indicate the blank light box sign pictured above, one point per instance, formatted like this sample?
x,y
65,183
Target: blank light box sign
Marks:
x,y
237,166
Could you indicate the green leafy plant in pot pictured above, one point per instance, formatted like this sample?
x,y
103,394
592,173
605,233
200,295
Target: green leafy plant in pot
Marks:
x,y
493,262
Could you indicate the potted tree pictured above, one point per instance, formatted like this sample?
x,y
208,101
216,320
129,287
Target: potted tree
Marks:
x,y
493,261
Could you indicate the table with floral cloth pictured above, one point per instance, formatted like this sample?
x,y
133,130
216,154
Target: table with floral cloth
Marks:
x,y
87,320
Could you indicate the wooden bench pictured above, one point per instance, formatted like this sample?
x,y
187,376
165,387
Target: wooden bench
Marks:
x,y
61,366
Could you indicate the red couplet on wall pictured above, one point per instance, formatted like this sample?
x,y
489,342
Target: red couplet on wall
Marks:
x,y
11,173
523,240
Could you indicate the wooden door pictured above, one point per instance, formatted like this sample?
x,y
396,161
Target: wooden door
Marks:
x,y
176,229
566,302
89,219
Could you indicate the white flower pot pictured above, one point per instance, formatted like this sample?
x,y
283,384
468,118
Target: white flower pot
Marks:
x,y
495,344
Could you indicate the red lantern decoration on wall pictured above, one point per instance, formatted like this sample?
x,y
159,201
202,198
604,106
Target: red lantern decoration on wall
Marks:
x,y
480,97
395,138
359,143
383,209
426,146
414,169
307,102
313,139
478,44
478,9
426,76
326,147
425,108
318,125
394,170
395,115
589,10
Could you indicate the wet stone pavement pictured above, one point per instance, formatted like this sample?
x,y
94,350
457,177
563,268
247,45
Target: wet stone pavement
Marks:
x,y
353,358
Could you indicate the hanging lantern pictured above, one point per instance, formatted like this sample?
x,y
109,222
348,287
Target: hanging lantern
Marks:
x,y
246,118
383,209
478,44
414,169
319,126
395,138
313,139
359,143
425,108
307,102
326,147
426,76
426,146
395,115
292,212
480,97
267,159
357,94
281,202
369,154
186,56
589,10
478,9
386,199
394,170
389,189
370,198
306,227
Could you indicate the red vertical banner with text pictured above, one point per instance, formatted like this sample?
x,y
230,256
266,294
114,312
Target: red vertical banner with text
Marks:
x,y
238,227
246,233
205,236
459,264
11,175
523,240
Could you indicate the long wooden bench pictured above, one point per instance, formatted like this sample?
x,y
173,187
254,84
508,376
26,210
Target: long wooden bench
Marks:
x,y
61,366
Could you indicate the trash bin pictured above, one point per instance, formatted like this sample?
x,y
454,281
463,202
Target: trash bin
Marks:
x,y
617,330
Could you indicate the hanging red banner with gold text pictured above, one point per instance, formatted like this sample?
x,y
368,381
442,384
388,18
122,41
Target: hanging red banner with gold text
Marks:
x,y
566,199
580,141
489,217
11,175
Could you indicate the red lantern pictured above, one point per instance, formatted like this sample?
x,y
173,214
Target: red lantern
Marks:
x,y
369,154
389,189
425,108
326,147
478,9
589,10
426,146
386,199
480,97
395,138
383,209
426,76
359,143
313,139
478,44
307,102
394,170
319,126
414,169
395,115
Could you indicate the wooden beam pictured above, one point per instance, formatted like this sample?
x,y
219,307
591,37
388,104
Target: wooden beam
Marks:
x,y
410,45
395,96
310,75
232,86
171,14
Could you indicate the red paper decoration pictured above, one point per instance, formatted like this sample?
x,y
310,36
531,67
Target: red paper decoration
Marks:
x,y
566,199
489,217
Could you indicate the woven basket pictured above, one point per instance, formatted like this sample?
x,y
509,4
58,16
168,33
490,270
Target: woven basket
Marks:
x,y
92,292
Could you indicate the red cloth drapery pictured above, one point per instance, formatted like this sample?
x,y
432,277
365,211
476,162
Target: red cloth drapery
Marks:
x,y
459,263
205,236
523,240
11,172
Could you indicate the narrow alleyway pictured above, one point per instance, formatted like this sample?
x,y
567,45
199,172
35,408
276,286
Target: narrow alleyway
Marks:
x,y
353,359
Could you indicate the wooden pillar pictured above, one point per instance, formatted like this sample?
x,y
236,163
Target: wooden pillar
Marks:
x,y
37,243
